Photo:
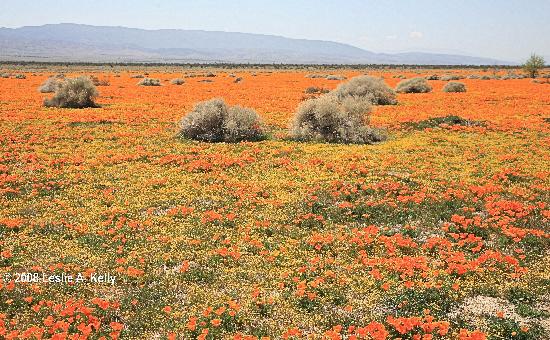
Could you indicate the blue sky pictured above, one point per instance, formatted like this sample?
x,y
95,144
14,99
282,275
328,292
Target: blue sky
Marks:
x,y
503,29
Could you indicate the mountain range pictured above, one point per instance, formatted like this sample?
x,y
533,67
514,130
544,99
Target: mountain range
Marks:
x,y
86,43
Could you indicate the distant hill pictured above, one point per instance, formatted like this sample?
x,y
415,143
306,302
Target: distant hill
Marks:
x,y
85,43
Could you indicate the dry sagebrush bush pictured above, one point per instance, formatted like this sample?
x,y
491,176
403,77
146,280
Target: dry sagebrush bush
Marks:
x,y
454,86
312,89
177,81
449,77
99,82
329,119
414,85
214,121
510,75
367,86
49,86
149,82
242,124
316,76
315,89
74,93
335,77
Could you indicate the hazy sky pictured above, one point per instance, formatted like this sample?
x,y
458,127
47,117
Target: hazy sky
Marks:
x,y
503,29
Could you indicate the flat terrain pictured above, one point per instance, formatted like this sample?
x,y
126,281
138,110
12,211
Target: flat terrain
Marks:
x,y
441,230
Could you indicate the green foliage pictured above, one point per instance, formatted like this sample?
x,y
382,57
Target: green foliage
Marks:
x,y
412,302
449,120
533,65
502,328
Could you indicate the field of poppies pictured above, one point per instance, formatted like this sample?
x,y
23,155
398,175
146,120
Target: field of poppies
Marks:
x,y
111,226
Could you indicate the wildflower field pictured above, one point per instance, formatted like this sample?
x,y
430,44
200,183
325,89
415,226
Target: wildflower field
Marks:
x,y
439,232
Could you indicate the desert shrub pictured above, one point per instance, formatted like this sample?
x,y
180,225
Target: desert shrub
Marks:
x,y
533,65
242,124
177,81
449,77
206,81
414,85
400,76
510,75
137,76
74,93
149,82
367,86
210,75
238,80
447,120
432,77
214,121
99,82
335,77
332,120
542,80
20,76
205,122
313,89
49,86
232,75
4,75
473,76
316,76
485,77
454,87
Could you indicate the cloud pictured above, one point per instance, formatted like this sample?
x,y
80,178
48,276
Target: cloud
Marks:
x,y
416,35
391,37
